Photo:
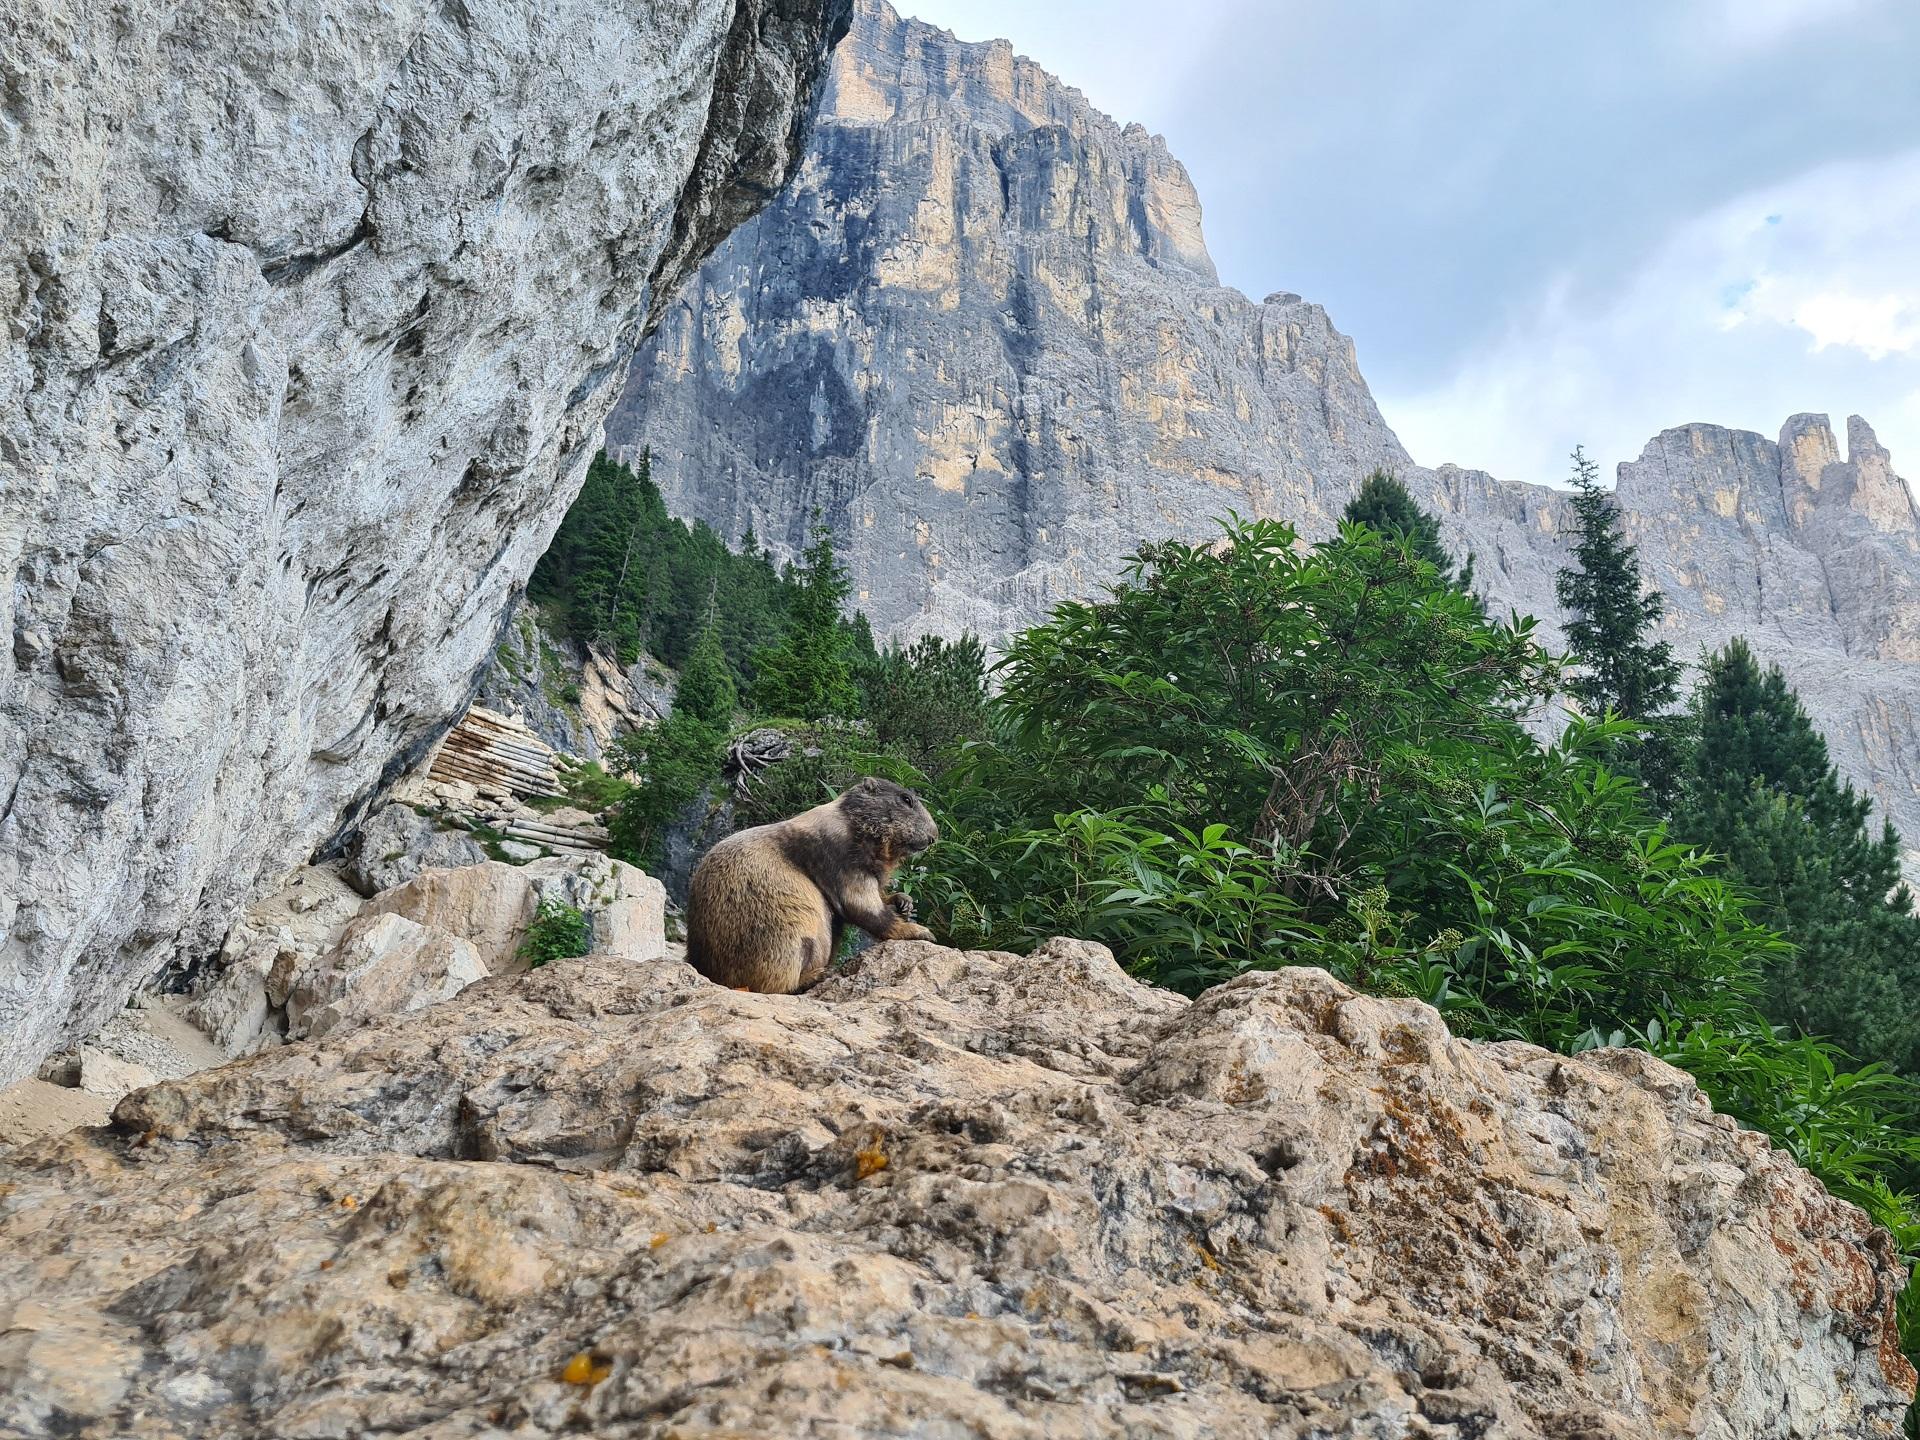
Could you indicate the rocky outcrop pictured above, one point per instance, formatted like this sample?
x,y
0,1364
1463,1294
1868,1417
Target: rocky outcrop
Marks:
x,y
383,965
397,842
312,313
944,1193
981,335
577,700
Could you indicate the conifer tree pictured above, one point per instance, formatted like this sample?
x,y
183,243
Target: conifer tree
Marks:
x,y
1612,611
1758,788
706,690
1384,505
1611,614
809,674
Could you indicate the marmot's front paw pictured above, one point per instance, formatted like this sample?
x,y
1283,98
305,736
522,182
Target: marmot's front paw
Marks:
x,y
902,904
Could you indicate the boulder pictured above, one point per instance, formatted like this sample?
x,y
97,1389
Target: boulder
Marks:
x,y
627,906
397,843
383,965
487,905
237,1001
490,905
943,1194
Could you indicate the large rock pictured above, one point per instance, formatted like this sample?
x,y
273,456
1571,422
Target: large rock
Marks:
x,y
981,334
311,313
239,1000
383,965
397,843
491,905
943,1194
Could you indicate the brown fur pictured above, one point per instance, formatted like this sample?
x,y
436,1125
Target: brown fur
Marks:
x,y
766,908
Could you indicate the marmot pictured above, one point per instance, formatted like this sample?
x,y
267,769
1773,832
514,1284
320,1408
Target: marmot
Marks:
x,y
766,907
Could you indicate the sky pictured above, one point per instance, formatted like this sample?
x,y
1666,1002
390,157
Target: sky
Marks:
x,y
1546,221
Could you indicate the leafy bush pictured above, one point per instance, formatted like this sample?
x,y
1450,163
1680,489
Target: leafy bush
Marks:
x,y
588,786
828,756
556,932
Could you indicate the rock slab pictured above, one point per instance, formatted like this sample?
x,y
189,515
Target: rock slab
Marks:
x,y
944,1194
309,314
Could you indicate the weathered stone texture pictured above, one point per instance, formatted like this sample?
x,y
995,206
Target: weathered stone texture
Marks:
x,y
311,316
981,335
944,1194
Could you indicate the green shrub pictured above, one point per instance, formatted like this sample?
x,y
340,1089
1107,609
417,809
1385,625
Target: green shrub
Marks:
x,y
828,756
668,765
557,932
589,787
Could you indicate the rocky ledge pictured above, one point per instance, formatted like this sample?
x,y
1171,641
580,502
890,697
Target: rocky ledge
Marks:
x,y
944,1194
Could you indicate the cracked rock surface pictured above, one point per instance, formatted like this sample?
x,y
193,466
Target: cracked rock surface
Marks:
x,y
309,315
944,1194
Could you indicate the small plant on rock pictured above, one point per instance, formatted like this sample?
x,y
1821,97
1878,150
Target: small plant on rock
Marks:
x,y
558,932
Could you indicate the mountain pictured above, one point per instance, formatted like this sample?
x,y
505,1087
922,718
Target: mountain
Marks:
x,y
981,337
312,313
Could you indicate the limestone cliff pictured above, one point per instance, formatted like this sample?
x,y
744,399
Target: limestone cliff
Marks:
x,y
981,335
312,314
944,1194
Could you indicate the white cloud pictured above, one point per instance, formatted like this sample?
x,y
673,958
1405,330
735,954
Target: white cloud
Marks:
x,y
1877,325
1802,296
1767,22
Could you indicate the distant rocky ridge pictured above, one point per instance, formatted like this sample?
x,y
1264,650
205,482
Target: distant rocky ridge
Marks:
x,y
311,313
980,334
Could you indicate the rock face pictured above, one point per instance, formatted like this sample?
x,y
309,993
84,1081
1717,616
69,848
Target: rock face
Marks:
x,y
397,842
312,313
577,700
980,333
1815,558
944,1194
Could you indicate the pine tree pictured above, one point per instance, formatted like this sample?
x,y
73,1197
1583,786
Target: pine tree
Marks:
x,y
706,689
809,674
1384,506
1611,612
1758,788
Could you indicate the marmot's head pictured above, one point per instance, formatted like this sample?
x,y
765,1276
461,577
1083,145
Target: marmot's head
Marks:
x,y
880,810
